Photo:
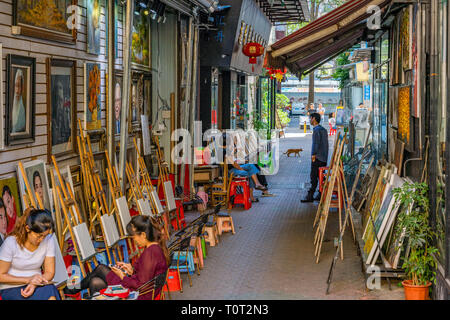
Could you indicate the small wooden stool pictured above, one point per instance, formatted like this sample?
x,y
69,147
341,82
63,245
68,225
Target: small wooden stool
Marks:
x,y
211,233
198,257
224,223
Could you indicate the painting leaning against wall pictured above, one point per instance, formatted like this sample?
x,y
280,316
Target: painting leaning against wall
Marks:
x,y
10,204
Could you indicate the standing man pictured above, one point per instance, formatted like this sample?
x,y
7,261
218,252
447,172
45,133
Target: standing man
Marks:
x,y
319,154
321,111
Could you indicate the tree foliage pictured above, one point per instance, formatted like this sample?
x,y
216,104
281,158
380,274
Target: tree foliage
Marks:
x,y
341,74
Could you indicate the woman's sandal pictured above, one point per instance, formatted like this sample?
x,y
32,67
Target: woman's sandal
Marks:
x,y
262,188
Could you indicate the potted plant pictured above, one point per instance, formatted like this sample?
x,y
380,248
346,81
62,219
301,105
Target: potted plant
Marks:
x,y
413,225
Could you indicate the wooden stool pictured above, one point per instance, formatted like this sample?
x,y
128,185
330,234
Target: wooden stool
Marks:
x,y
211,233
198,256
224,223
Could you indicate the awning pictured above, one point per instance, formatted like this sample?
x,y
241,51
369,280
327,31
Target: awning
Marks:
x,y
324,38
285,10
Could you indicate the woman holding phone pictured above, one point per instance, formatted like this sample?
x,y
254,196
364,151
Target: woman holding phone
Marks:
x,y
153,261
24,253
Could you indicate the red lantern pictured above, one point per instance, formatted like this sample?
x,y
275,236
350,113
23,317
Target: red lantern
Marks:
x,y
253,50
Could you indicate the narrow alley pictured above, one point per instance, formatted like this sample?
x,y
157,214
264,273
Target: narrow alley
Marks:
x,y
271,256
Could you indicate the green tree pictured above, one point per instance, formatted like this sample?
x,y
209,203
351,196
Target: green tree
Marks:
x,y
341,74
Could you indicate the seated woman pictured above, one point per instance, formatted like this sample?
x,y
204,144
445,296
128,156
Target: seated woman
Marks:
x,y
29,247
153,261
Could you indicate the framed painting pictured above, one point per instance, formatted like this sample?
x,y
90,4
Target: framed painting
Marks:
x,y
92,90
20,99
2,109
118,83
140,43
405,127
61,107
100,165
36,174
10,208
93,26
46,19
137,101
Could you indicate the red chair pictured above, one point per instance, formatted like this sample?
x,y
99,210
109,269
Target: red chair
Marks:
x,y
242,198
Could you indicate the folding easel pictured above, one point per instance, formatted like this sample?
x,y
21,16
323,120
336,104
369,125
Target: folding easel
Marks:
x,y
97,193
335,174
163,180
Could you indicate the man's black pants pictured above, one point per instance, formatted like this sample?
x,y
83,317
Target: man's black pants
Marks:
x,y
315,176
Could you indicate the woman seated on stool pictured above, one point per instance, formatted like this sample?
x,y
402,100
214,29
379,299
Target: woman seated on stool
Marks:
x,y
153,261
29,247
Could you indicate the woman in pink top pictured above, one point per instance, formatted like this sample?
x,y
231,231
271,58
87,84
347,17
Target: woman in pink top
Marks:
x,y
153,261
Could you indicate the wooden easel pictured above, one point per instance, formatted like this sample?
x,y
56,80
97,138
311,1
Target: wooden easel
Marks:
x,y
336,180
164,177
95,190
348,212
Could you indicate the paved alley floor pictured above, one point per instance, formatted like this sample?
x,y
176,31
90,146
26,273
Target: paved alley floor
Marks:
x,y
271,256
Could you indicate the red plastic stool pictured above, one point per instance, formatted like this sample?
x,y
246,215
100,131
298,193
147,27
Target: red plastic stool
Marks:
x,y
243,198
173,281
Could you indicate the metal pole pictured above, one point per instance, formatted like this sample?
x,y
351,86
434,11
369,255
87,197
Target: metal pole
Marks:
x,y
193,100
125,92
111,59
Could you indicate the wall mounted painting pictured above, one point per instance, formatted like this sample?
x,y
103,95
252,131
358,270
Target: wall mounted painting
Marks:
x,y
36,174
137,101
117,102
10,208
20,99
2,109
46,19
92,90
93,26
406,38
61,107
140,44
404,117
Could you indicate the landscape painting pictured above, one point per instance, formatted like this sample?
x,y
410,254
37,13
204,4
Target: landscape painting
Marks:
x,y
140,45
47,19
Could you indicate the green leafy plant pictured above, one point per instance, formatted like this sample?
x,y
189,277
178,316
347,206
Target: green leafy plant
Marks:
x,y
341,74
413,223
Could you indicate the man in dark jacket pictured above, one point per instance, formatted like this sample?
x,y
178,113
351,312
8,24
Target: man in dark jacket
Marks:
x,y
319,154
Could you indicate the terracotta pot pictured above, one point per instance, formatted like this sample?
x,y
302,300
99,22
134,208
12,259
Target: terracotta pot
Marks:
x,y
413,292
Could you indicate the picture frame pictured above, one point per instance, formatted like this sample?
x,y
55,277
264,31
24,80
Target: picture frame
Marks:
x,y
405,126
2,108
20,114
141,45
36,172
30,19
118,90
93,26
92,96
136,101
99,162
61,94
9,192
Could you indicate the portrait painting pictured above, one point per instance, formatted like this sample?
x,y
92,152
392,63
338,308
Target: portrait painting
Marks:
x,y
10,208
20,99
93,26
92,105
2,110
46,19
117,103
140,39
36,175
61,106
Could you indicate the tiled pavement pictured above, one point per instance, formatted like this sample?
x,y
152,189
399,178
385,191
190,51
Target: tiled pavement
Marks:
x,y
271,256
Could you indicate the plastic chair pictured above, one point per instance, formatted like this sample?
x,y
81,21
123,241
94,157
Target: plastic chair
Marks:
x,y
224,223
241,198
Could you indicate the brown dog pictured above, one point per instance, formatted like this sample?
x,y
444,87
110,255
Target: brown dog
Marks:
x,y
295,151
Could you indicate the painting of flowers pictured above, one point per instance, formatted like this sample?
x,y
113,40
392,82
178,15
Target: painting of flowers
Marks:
x,y
44,19
92,105
140,45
